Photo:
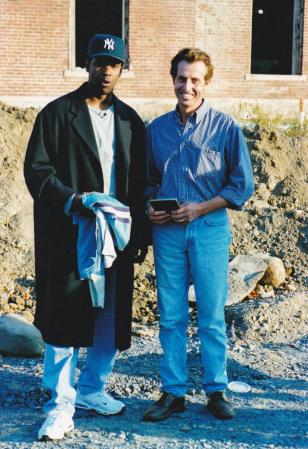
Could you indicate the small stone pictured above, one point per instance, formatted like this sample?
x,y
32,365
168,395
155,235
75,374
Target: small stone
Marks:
x,y
142,331
20,301
298,213
238,348
5,309
269,294
259,290
291,287
122,436
145,319
275,273
13,306
28,316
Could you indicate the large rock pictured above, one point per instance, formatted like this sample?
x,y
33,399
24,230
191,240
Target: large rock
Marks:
x,y
245,271
271,320
19,337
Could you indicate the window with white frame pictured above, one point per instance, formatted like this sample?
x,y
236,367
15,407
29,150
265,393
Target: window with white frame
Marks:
x,y
90,17
277,37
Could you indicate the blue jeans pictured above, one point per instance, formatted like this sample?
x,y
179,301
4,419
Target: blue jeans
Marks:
x,y
200,251
60,362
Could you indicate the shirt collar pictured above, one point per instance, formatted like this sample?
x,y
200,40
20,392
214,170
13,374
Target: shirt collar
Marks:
x,y
196,116
102,112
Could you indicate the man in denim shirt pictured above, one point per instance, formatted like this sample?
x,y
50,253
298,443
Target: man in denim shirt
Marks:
x,y
199,156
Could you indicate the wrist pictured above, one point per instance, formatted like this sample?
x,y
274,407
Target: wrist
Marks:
x,y
204,209
77,205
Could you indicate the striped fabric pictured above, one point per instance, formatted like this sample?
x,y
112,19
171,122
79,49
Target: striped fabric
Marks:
x,y
97,239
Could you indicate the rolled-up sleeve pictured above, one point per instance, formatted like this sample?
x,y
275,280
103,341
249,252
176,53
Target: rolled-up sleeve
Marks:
x,y
240,184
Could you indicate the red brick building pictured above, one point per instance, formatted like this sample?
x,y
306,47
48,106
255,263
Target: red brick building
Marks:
x,y
259,47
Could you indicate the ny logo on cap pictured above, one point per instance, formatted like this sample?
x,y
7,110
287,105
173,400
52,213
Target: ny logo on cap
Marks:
x,y
109,43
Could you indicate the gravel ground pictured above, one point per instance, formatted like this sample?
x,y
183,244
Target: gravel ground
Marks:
x,y
271,415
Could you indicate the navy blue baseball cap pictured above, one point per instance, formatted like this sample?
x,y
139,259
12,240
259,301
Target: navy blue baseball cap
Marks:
x,y
106,45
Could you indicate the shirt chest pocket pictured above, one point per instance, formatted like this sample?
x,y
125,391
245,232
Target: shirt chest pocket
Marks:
x,y
208,162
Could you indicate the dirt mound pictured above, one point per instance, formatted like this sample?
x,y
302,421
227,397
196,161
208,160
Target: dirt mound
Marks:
x,y
16,235
274,220
280,167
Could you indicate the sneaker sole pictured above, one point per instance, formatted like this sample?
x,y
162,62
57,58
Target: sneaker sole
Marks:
x,y
84,407
48,438
161,418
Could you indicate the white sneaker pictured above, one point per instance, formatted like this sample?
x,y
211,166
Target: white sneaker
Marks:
x,y
102,403
57,424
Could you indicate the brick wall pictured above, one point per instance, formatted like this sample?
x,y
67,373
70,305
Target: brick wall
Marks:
x,y
34,46
224,30
156,32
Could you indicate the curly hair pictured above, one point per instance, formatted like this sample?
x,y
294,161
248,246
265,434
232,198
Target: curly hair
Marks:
x,y
192,55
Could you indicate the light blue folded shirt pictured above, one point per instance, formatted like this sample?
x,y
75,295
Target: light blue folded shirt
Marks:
x,y
98,237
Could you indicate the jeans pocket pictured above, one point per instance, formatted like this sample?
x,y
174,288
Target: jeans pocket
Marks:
x,y
217,218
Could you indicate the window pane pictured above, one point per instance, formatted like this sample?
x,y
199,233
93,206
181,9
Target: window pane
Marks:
x,y
272,36
96,16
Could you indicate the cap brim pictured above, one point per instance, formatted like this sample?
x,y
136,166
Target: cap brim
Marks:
x,y
118,58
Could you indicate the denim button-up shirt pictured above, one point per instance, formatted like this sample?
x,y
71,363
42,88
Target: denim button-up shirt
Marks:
x,y
205,158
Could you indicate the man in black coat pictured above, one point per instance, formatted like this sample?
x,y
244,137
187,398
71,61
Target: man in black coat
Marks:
x,y
85,141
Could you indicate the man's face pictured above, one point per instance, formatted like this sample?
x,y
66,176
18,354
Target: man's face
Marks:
x,y
189,84
104,73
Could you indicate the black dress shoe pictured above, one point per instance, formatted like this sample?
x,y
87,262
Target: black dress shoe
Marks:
x,y
166,406
219,406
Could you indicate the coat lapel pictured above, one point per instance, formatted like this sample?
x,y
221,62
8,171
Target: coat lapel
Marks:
x,y
123,144
81,121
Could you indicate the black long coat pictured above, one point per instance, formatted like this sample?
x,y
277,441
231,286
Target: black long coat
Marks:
x,y
62,159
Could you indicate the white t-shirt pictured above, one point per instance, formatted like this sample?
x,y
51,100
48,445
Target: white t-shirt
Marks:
x,y
104,130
